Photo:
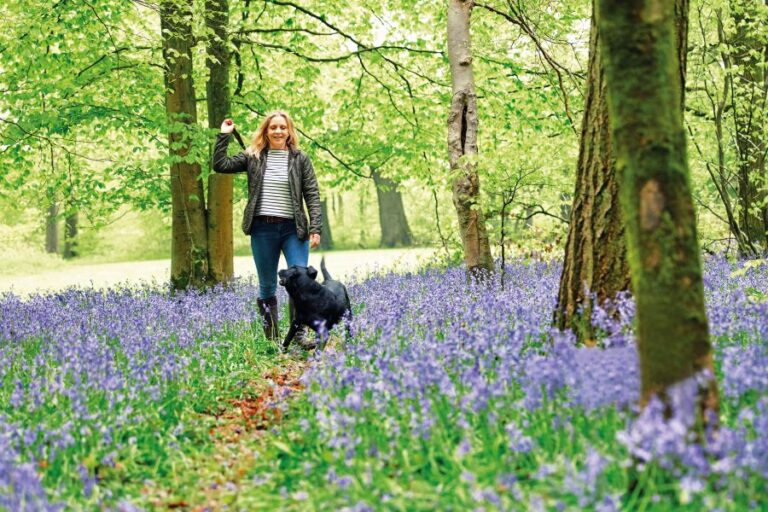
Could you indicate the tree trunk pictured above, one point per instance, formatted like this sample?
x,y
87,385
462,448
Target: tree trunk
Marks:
x,y
566,206
644,99
189,251
394,225
326,241
681,8
595,263
749,105
70,236
52,228
51,219
462,141
220,236
595,259
338,207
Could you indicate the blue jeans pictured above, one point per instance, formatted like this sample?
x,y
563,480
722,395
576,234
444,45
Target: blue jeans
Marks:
x,y
267,240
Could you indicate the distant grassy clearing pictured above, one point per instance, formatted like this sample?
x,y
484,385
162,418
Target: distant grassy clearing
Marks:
x,y
342,264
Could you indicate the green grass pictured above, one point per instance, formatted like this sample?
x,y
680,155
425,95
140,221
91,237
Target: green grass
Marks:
x,y
288,467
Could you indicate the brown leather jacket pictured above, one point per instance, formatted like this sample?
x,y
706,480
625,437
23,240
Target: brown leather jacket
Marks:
x,y
301,180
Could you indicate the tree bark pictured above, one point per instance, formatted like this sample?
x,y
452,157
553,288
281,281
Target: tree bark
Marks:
x,y
219,229
462,141
326,241
644,100
70,236
394,224
189,251
595,259
595,263
749,105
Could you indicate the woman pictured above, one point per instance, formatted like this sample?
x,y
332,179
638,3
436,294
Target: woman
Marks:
x,y
280,177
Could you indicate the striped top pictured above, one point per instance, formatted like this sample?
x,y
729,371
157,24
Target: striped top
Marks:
x,y
275,191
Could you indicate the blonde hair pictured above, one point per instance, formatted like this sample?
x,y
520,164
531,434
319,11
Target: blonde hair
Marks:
x,y
260,140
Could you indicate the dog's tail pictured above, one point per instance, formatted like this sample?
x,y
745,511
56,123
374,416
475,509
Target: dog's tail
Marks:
x,y
326,275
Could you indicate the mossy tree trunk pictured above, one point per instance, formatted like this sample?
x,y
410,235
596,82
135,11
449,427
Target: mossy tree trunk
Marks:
x,y
189,246
644,95
219,228
394,224
462,141
595,261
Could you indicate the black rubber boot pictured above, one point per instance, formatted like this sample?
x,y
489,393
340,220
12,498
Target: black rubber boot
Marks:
x,y
269,318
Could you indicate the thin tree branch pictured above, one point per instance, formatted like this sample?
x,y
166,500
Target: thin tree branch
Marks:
x,y
281,29
540,211
360,44
329,151
519,20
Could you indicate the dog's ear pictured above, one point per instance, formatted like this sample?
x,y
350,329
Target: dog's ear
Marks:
x,y
312,272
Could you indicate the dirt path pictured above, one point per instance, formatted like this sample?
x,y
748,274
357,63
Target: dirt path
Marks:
x,y
344,265
214,480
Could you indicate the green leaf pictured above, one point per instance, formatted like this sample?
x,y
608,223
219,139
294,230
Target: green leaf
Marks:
x,y
283,447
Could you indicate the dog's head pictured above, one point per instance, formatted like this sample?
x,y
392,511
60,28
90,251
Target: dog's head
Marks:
x,y
296,277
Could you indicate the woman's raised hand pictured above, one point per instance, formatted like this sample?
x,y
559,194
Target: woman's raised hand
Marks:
x,y
227,126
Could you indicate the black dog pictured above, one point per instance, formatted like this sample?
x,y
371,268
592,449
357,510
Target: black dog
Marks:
x,y
318,306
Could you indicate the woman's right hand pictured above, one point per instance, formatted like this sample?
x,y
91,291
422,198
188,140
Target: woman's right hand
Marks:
x,y
227,126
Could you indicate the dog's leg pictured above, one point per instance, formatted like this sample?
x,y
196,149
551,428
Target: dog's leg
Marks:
x,y
301,331
291,333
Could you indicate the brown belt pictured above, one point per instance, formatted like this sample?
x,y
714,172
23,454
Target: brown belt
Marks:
x,y
269,219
